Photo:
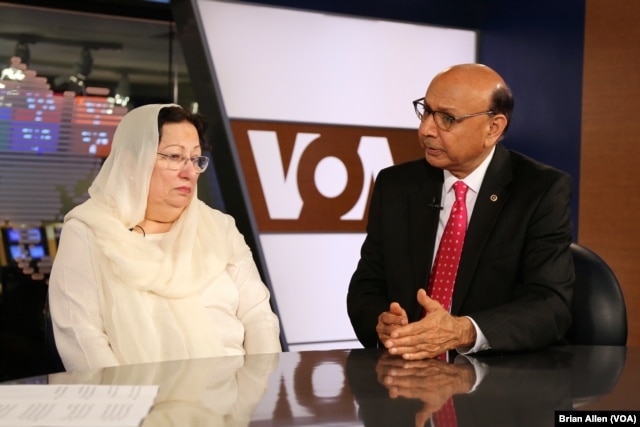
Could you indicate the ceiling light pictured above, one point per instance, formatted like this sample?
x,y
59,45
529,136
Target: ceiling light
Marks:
x,y
18,63
76,81
123,91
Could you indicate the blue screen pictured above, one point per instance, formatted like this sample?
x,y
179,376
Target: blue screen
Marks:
x,y
16,251
13,235
36,251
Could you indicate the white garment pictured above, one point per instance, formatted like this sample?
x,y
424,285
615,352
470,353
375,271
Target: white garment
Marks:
x,y
118,297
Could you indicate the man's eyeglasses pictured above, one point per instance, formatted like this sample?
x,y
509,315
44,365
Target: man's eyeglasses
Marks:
x,y
443,120
178,161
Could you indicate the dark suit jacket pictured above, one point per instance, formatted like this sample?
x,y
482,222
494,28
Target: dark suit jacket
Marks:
x,y
515,276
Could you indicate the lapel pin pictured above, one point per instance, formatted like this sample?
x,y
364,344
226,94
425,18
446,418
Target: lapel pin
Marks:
x,y
494,198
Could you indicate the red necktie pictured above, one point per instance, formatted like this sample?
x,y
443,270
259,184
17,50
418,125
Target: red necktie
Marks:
x,y
446,416
443,277
445,266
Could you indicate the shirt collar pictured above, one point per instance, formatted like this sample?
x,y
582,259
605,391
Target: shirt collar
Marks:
x,y
474,179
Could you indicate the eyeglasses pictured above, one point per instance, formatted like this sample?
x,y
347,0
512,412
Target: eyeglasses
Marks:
x,y
443,120
178,161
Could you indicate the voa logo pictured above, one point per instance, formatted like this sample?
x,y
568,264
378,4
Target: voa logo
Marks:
x,y
316,177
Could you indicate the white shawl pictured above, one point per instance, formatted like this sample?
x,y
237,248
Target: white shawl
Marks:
x,y
149,291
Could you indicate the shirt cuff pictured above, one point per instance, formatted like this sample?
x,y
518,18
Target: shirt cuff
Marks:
x,y
480,368
481,341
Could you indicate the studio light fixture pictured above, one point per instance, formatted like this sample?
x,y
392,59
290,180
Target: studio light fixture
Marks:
x,y
15,70
22,51
18,63
122,91
75,82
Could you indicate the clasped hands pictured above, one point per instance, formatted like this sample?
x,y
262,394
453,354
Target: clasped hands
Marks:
x,y
437,332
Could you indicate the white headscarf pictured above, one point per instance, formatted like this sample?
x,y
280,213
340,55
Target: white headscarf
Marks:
x,y
149,291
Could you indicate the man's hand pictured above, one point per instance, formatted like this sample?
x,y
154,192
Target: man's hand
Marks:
x,y
432,335
391,320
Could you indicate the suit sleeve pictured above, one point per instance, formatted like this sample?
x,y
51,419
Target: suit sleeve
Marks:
x,y
367,296
534,306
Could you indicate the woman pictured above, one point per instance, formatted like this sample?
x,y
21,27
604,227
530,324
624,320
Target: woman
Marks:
x,y
147,272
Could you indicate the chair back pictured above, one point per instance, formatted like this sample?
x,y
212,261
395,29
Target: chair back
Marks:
x,y
599,310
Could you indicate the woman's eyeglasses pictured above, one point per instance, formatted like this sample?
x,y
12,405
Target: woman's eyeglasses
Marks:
x,y
178,161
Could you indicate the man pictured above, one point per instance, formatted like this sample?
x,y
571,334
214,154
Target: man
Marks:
x,y
513,284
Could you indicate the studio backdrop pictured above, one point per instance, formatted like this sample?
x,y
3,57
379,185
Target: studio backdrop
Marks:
x,y
312,106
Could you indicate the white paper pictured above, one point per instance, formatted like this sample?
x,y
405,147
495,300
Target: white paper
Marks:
x,y
75,405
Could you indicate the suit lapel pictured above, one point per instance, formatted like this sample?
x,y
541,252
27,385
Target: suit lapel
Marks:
x,y
494,193
424,225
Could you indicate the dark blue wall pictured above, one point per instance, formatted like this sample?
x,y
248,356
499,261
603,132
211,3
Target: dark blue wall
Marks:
x,y
538,49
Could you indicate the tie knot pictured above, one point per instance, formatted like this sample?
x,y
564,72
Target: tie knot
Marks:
x,y
461,190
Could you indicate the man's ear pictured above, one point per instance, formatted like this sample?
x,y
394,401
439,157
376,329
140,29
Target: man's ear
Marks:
x,y
496,128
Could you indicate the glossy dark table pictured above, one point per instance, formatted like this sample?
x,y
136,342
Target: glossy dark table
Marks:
x,y
350,387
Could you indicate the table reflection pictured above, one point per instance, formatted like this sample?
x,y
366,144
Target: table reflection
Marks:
x,y
371,388
501,390
199,392
432,381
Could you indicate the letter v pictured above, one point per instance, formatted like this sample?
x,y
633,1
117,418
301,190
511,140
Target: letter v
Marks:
x,y
280,187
